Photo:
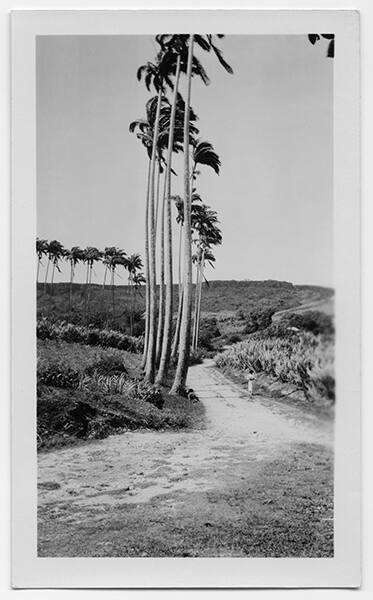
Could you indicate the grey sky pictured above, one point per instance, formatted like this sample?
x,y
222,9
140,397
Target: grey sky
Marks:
x,y
271,123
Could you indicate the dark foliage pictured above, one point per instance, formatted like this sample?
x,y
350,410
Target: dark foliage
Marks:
x,y
91,336
234,338
208,331
258,319
58,375
107,365
312,320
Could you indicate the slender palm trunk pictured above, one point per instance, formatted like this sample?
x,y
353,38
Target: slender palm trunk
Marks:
x,y
180,255
113,291
184,345
132,304
86,292
53,268
150,359
158,177
89,288
46,276
104,281
71,286
196,293
167,333
198,321
161,282
175,342
147,271
37,271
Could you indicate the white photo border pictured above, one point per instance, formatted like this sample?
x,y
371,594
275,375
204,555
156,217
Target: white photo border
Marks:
x,y
343,570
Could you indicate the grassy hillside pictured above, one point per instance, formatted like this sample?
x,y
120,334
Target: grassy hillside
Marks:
x,y
223,298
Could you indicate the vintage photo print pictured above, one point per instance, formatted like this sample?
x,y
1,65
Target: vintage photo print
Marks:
x,y
185,342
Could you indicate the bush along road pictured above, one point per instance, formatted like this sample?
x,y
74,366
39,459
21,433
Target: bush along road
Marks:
x,y
256,480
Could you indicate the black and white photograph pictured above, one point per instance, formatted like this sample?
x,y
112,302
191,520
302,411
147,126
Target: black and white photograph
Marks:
x,y
185,295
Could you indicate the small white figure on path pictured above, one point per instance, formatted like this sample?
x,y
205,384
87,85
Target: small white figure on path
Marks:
x,y
250,377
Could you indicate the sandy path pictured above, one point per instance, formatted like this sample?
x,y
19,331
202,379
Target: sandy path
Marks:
x,y
134,467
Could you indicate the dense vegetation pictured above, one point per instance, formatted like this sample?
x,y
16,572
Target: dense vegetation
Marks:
x,y
301,356
88,393
229,301
68,332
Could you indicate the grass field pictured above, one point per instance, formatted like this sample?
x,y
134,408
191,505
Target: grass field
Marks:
x,y
87,393
221,299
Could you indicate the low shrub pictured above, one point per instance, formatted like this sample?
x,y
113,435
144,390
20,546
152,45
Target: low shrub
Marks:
x,y
258,319
109,364
209,330
314,321
57,374
234,338
68,332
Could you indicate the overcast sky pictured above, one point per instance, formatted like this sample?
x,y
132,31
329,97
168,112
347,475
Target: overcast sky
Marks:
x,y
271,124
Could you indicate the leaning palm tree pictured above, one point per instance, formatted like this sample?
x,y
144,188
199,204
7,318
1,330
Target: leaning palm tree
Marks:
x,y
73,256
164,330
56,253
176,133
205,225
133,264
184,345
170,135
156,75
41,251
138,280
207,43
107,256
179,45
202,256
91,255
203,154
118,259
179,204
145,132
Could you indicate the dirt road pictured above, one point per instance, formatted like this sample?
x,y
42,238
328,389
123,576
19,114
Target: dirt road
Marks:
x,y
256,481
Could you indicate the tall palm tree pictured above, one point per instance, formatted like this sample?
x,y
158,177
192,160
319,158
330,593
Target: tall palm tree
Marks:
x,y
164,330
56,252
157,75
179,204
91,255
107,256
179,45
118,259
41,251
200,257
145,129
170,135
203,154
182,365
73,256
133,264
205,225
138,280
166,258
206,43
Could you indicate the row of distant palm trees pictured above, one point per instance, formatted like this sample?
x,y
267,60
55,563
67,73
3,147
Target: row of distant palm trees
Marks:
x,y
169,128
111,258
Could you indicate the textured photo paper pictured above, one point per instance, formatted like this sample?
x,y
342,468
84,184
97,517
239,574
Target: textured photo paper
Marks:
x,y
185,342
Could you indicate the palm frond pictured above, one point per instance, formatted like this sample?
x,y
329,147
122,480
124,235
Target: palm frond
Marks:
x,y
204,154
